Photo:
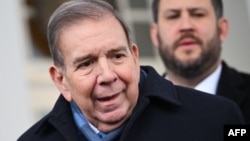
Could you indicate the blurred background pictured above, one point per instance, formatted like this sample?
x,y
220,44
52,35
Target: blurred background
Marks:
x,y
26,90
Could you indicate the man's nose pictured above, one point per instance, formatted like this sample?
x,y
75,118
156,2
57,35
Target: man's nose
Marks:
x,y
106,72
186,24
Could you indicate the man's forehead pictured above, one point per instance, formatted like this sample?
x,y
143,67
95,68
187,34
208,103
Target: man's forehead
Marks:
x,y
184,4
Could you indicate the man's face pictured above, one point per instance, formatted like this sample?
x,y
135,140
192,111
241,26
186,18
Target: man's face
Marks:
x,y
102,74
188,36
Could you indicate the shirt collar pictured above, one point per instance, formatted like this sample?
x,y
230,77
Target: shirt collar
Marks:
x,y
89,130
83,124
209,84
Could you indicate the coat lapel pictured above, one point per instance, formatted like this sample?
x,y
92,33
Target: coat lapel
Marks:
x,y
231,84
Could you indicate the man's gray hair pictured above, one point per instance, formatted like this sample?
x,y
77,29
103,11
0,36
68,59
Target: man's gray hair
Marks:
x,y
72,12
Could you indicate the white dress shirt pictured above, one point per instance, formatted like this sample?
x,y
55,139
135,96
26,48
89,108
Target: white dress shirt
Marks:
x,y
209,84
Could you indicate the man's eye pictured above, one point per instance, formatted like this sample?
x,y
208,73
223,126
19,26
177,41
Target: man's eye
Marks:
x,y
118,56
85,64
172,16
198,15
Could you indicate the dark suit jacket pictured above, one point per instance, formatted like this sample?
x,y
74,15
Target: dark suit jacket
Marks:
x,y
235,86
164,112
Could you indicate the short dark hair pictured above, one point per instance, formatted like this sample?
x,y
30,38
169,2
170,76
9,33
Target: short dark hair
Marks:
x,y
217,5
70,13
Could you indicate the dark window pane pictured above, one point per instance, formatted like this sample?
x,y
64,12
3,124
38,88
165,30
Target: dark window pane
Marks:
x,y
138,3
142,39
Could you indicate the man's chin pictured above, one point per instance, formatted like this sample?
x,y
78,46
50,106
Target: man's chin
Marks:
x,y
112,121
113,117
187,63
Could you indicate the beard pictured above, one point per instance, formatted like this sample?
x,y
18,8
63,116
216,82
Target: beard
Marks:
x,y
209,56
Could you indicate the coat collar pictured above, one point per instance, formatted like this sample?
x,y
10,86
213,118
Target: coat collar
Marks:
x,y
155,86
60,118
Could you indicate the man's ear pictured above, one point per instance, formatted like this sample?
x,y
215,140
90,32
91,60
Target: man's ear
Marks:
x,y
57,75
154,35
223,28
135,51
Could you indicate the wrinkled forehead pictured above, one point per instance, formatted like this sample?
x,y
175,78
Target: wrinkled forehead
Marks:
x,y
93,32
